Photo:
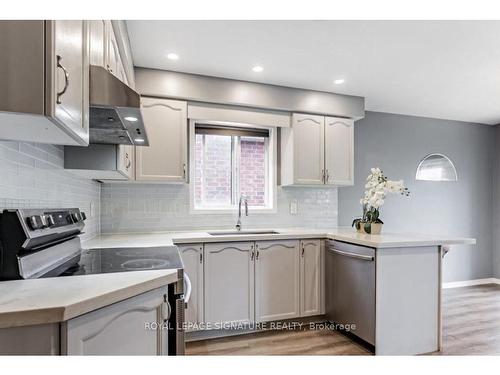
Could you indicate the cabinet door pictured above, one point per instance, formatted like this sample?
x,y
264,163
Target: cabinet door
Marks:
x,y
126,163
166,157
276,280
124,328
112,52
311,277
339,151
68,76
97,36
229,282
309,154
192,257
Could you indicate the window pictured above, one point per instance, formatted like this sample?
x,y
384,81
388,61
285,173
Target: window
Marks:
x,y
230,162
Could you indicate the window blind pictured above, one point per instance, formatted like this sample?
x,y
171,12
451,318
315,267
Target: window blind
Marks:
x,y
230,131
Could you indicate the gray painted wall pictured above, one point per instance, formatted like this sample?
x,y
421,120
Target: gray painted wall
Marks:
x,y
496,205
396,143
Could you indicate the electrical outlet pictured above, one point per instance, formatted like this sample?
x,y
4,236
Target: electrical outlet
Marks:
x,y
294,207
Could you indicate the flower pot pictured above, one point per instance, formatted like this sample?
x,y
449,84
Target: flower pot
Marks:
x,y
370,228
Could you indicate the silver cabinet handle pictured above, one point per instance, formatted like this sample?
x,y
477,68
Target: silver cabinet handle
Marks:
x,y
257,255
166,310
66,79
352,255
303,249
327,176
323,175
184,170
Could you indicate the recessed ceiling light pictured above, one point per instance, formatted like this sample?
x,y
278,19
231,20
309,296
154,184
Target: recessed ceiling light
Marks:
x,y
131,119
173,56
339,81
257,69
138,140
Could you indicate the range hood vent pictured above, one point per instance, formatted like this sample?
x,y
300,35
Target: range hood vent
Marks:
x,y
115,111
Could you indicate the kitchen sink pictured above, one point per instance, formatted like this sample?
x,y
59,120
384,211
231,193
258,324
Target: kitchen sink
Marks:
x,y
241,232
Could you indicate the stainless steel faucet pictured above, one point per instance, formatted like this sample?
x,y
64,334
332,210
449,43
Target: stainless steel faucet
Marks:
x,y
243,199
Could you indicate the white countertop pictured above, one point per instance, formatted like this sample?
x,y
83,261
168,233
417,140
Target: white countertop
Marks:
x,y
51,300
384,240
39,301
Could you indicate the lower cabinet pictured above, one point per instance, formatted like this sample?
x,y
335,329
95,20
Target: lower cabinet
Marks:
x,y
129,327
229,283
311,278
276,280
192,257
261,281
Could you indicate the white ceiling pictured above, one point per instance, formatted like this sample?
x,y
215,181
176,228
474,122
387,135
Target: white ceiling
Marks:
x,y
441,69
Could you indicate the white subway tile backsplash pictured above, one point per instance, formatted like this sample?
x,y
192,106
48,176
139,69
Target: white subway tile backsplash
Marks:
x,y
136,207
32,176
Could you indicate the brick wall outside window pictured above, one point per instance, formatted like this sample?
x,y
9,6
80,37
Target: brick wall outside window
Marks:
x,y
213,170
253,170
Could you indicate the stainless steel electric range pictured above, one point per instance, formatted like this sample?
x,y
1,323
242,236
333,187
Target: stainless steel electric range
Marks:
x,y
37,243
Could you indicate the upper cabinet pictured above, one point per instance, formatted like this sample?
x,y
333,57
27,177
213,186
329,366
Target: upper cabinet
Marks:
x,y
309,146
317,151
114,61
339,151
165,160
98,45
44,74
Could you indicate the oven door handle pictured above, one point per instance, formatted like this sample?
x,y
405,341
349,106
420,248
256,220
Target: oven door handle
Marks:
x,y
187,288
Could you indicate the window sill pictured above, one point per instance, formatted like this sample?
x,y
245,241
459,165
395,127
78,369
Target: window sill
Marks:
x,y
232,211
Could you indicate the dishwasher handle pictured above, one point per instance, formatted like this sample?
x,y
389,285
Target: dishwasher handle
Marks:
x,y
368,258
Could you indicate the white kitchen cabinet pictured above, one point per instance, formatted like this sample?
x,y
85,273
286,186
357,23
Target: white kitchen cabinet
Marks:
x,y
101,162
70,74
303,151
277,284
124,328
229,282
311,278
339,151
126,157
192,257
165,160
44,71
98,43
317,151
113,53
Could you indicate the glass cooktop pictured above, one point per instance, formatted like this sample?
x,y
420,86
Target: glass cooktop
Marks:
x,y
109,260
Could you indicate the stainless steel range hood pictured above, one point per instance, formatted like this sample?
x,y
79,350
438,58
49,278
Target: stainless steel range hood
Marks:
x,y
115,111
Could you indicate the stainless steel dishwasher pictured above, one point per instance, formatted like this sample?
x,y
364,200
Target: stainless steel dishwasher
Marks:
x,y
350,287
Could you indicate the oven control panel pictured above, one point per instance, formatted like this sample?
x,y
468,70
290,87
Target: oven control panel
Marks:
x,y
54,219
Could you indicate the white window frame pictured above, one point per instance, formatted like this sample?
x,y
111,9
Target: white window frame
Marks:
x,y
272,155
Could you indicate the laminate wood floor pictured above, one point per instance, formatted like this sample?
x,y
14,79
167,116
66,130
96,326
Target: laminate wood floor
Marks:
x,y
471,326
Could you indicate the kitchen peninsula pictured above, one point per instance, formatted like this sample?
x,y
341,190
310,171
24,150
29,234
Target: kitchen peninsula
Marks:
x,y
406,278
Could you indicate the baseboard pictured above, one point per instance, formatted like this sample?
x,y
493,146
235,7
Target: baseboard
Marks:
x,y
459,284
